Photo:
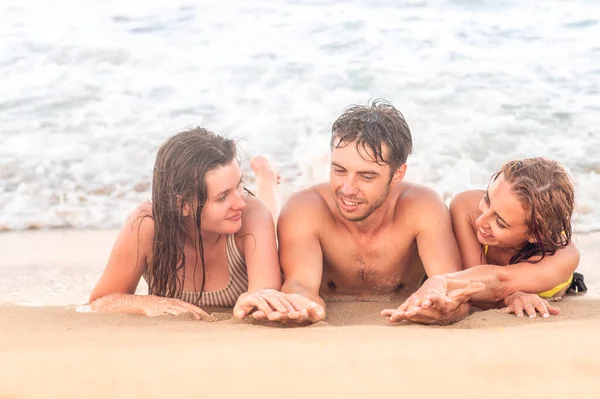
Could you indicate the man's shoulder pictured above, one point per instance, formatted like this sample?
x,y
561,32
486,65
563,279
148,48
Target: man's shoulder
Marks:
x,y
417,205
308,203
412,195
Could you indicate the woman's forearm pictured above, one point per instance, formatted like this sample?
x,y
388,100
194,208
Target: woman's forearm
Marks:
x,y
498,284
118,303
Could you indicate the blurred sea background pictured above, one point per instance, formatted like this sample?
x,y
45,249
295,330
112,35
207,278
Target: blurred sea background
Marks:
x,y
89,90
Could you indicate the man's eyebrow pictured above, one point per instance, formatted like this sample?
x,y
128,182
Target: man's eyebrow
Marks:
x,y
496,213
360,172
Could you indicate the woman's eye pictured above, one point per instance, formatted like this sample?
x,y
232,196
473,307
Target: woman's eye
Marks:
x,y
499,225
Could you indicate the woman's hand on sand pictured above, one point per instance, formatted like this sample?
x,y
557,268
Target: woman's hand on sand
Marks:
x,y
265,301
435,303
298,310
158,306
149,305
530,304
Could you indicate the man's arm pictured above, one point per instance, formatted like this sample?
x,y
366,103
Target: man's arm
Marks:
x,y
440,255
300,252
301,258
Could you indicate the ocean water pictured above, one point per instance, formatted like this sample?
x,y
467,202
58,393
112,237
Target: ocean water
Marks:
x,y
89,90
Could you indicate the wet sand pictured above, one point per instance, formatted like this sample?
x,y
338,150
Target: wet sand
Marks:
x,y
53,351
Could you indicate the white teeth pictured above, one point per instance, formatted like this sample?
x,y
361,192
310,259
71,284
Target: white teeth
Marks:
x,y
483,233
349,203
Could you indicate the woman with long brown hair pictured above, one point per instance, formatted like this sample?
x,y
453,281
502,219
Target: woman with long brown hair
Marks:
x,y
201,240
514,237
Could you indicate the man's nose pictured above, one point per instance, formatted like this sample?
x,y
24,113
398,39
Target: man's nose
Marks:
x,y
349,188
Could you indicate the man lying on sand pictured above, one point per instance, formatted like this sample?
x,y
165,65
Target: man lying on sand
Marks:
x,y
367,234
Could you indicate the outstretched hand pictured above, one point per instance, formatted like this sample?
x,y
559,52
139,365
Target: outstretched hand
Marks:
x,y
276,306
438,302
272,305
265,301
520,302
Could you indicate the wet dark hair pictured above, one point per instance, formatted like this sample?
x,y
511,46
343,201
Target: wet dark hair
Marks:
x,y
546,193
179,176
370,127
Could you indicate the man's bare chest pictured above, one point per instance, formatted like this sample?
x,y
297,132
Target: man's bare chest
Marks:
x,y
377,266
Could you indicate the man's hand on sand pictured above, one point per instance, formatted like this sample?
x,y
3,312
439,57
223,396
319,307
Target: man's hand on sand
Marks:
x,y
439,302
303,311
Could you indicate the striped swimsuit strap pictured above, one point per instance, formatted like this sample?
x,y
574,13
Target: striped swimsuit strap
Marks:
x,y
238,281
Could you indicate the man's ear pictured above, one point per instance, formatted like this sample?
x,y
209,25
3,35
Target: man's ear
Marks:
x,y
398,175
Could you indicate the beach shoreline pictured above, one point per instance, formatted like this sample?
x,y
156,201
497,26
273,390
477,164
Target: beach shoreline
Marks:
x,y
60,267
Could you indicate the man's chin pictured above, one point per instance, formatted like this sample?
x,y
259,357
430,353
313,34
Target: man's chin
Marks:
x,y
352,217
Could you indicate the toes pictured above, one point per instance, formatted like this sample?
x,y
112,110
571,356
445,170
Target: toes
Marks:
x,y
263,169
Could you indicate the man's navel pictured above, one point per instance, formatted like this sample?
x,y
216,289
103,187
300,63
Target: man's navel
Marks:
x,y
331,285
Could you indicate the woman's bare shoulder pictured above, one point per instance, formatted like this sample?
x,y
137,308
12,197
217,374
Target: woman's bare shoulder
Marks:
x,y
466,202
140,221
255,215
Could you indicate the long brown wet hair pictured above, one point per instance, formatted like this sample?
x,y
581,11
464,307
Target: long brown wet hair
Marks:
x,y
546,193
179,179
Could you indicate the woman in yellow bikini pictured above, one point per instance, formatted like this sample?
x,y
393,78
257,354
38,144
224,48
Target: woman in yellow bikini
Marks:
x,y
514,237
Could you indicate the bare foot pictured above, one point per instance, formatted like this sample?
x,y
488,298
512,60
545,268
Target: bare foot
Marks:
x,y
266,183
265,174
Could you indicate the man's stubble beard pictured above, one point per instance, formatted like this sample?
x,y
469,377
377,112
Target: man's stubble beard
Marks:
x,y
369,210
